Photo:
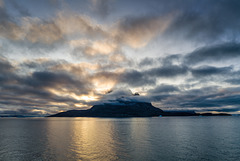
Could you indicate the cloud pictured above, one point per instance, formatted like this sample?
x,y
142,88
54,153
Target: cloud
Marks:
x,y
146,62
5,65
32,29
8,29
93,48
49,87
228,109
50,31
78,25
210,70
214,53
137,32
118,58
117,93
1,3
136,78
22,10
194,20
173,19
168,71
104,81
163,88
53,85
23,112
233,81
212,101
53,80
43,32
6,71
202,99
102,8
40,64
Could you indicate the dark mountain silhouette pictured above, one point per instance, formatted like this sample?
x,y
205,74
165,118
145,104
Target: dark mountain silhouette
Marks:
x,y
128,109
117,109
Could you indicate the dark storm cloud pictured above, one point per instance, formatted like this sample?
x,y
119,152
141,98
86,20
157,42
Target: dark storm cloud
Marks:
x,y
206,54
146,62
214,53
171,59
136,78
35,90
164,61
40,64
38,82
55,80
32,90
5,65
22,111
193,96
201,100
212,101
164,88
20,95
168,71
210,70
181,65
204,20
46,78
6,69
234,81
168,66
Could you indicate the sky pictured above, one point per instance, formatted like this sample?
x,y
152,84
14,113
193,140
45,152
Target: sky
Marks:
x,y
58,55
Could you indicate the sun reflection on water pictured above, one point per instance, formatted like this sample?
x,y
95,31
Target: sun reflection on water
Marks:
x,y
91,141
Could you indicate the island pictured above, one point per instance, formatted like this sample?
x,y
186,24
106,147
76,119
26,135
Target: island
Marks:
x,y
115,109
128,109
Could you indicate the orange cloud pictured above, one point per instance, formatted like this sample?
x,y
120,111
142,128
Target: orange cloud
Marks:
x,y
70,23
46,33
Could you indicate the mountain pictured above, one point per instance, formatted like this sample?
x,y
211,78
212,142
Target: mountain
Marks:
x,y
115,109
122,108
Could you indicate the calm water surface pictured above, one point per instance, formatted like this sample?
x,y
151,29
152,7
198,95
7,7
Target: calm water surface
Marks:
x,y
163,138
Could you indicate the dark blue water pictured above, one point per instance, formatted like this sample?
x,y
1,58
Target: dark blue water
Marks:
x,y
165,138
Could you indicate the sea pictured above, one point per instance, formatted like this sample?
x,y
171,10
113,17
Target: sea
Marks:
x,y
215,138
